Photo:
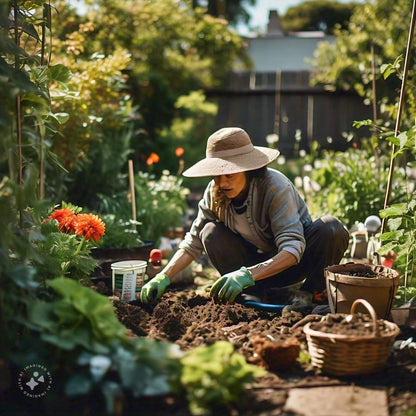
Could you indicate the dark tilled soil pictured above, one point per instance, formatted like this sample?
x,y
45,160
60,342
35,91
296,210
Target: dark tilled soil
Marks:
x,y
190,320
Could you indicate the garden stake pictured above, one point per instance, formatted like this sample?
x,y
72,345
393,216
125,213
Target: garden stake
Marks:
x,y
399,111
132,193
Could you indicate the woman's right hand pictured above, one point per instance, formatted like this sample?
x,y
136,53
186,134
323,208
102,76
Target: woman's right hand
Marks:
x,y
154,288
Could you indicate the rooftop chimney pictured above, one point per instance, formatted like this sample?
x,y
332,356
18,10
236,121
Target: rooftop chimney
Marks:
x,y
274,27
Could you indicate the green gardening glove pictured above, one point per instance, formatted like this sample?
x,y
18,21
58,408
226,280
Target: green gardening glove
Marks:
x,y
227,287
154,288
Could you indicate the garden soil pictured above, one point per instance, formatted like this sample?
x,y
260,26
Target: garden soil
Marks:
x,y
188,317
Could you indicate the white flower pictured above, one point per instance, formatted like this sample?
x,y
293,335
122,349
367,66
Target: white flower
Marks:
x,y
281,160
272,138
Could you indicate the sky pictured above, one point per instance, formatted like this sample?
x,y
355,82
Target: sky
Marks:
x,y
260,12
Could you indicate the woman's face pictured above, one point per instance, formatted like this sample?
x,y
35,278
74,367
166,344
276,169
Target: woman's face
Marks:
x,y
231,185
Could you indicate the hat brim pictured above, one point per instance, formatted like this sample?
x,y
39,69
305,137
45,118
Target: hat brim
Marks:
x,y
213,166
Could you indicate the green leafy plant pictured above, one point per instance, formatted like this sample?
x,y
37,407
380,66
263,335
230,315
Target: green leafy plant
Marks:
x,y
352,184
80,317
141,367
400,218
27,121
401,239
65,240
214,377
192,124
120,233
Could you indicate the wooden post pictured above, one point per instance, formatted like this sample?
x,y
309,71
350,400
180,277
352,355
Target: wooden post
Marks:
x,y
132,192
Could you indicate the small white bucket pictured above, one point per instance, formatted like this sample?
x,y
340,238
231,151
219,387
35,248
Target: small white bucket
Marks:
x,y
128,278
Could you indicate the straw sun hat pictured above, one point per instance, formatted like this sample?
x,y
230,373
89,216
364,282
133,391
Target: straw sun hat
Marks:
x,y
229,150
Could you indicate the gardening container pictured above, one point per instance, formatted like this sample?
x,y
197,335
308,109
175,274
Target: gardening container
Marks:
x,y
404,316
128,278
344,355
346,283
107,256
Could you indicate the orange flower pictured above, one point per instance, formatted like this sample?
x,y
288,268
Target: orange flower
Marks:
x,y
149,161
89,226
155,157
179,151
65,218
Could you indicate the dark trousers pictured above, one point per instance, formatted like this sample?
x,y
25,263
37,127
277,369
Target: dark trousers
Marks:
x,y
326,241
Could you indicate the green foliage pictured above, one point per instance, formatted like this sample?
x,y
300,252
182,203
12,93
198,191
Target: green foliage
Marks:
x,y
347,64
99,110
80,317
62,254
352,185
120,233
27,121
404,294
60,322
214,377
139,367
160,203
18,282
173,51
233,10
105,164
190,128
401,237
317,15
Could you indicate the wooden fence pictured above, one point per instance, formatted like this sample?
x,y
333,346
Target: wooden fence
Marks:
x,y
284,103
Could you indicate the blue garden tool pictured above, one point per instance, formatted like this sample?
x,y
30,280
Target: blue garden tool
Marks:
x,y
269,307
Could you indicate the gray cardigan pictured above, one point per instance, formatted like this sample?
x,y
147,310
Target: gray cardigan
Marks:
x,y
276,215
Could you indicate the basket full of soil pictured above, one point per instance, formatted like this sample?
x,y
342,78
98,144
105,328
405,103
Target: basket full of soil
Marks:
x,y
350,344
348,282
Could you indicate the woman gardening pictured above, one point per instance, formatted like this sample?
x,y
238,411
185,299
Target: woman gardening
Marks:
x,y
254,227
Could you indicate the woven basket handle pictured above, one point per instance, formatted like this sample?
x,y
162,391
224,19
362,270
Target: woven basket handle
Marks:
x,y
370,309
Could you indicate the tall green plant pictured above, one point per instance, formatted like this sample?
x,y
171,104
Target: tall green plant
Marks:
x,y
399,234
161,203
27,122
192,124
381,26
352,185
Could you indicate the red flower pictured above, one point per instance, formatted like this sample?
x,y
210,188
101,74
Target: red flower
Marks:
x,y
153,158
89,226
65,218
179,151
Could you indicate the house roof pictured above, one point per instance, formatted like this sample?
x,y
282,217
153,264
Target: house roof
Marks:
x,y
277,50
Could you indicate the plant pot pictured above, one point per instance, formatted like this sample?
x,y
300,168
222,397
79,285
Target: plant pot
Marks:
x,y
404,316
346,283
107,256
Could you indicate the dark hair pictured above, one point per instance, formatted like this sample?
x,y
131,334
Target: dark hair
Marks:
x,y
256,173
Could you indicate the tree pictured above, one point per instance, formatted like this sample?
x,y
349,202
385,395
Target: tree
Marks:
x,y
347,63
318,15
232,10
173,49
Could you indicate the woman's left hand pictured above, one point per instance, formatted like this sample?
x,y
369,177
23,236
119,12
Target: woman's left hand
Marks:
x,y
229,286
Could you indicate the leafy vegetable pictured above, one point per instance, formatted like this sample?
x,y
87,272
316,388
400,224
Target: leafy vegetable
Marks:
x,y
81,317
215,377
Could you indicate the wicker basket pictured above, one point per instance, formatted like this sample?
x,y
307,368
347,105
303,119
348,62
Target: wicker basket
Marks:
x,y
344,355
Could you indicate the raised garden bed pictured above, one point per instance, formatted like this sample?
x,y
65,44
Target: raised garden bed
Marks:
x,y
189,319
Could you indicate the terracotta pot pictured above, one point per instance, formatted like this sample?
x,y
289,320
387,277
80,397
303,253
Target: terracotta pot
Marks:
x,y
348,282
404,316
107,256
